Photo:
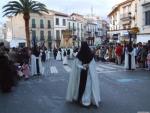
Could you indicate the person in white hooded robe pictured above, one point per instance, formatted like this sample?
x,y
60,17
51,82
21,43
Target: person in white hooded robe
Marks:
x,y
59,57
83,84
65,59
36,65
129,51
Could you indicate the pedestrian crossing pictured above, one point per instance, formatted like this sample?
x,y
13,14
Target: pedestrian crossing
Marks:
x,y
109,68
100,68
53,69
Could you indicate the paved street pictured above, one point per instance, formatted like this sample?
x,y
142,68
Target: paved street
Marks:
x,y
121,91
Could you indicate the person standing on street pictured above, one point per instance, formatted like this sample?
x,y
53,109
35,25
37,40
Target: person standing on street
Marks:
x,y
129,63
118,53
83,84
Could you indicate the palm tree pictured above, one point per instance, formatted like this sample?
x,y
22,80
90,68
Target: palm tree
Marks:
x,y
25,7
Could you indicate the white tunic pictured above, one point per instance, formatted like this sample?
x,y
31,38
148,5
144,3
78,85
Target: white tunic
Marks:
x,y
58,57
47,55
65,60
92,90
126,65
33,65
71,53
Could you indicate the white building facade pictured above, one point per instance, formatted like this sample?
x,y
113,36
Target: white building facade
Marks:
x,y
143,20
47,29
122,18
76,26
59,25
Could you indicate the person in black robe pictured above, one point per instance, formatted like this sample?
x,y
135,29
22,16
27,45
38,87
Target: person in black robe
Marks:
x,y
36,52
85,55
8,74
129,48
43,58
55,53
68,53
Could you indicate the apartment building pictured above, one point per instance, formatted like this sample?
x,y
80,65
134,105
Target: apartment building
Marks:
x,y
44,29
122,18
47,29
94,29
143,20
76,26
59,25
41,28
90,28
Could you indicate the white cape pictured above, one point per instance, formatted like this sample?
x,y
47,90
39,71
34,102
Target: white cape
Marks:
x,y
92,90
48,55
65,60
58,57
126,64
33,65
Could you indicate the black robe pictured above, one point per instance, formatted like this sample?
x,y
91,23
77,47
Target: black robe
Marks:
x,y
8,74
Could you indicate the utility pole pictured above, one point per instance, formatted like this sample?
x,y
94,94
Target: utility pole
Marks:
x,y
130,44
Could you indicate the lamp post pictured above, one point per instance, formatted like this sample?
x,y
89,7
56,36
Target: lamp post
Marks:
x,y
130,44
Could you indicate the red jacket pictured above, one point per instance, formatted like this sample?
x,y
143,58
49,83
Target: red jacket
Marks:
x,y
118,50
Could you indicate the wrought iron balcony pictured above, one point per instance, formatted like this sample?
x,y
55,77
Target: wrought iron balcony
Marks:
x,y
145,2
41,25
42,38
49,39
49,26
33,25
96,33
89,32
126,16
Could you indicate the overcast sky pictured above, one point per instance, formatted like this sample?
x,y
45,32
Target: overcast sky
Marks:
x,y
100,7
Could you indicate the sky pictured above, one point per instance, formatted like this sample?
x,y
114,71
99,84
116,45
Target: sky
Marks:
x,y
100,7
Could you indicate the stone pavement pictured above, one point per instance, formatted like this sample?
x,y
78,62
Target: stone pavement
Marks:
x,y
121,92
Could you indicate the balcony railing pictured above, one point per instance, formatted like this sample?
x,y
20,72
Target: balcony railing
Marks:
x,y
74,29
49,39
57,38
145,2
33,25
88,31
49,26
125,16
42,38
41,25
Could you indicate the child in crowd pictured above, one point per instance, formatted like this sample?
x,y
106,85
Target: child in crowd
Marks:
x,y
26,70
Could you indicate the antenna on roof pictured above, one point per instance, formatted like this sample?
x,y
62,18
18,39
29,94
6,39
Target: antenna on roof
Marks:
x,y
92,10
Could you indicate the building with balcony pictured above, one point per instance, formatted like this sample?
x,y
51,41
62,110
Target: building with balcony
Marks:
x,y
96,29
41,28
59,25
45,29
122,18
76,26
143,20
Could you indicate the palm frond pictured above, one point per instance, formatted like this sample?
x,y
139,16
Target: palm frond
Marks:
x,y
16,4
9,13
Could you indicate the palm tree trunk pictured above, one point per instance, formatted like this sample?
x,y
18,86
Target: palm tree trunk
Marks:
x,y
26,19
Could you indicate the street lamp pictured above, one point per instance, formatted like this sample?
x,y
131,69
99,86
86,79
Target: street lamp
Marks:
x,y
130,43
